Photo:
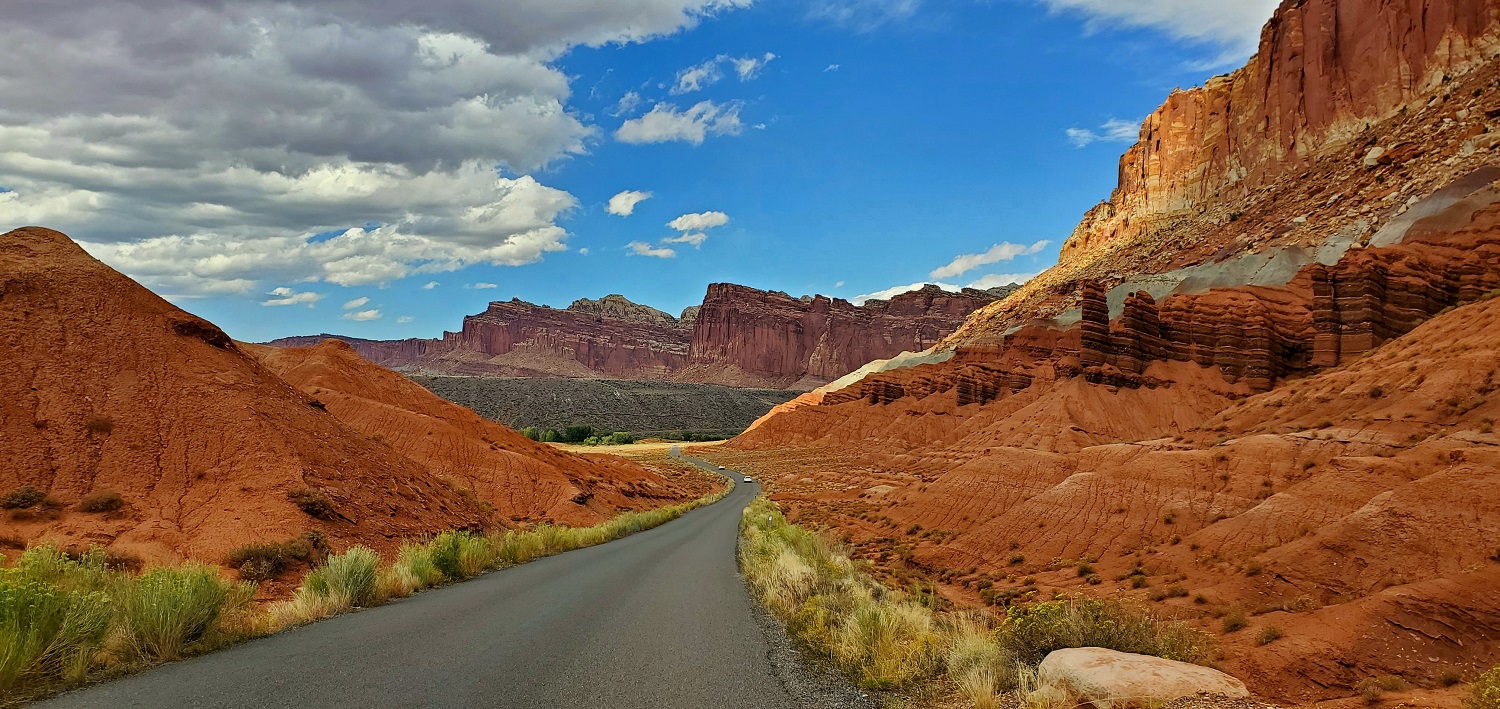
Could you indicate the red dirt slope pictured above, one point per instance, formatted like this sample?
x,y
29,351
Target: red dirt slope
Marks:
x,y
106,386
522,479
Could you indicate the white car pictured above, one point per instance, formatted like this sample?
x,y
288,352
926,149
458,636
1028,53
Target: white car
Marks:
x,y
721,467
748,479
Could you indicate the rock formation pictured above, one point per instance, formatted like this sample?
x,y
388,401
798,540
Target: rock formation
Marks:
x,y
739,336
110,388
1262,376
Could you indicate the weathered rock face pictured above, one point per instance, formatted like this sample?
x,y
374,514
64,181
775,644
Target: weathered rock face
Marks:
x,y
1107,679
1326,69
739,337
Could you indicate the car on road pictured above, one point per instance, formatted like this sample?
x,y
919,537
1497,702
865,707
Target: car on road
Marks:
x,y
748,479
721,467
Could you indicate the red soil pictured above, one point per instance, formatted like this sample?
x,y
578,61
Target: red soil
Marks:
x,y
107,387
522,479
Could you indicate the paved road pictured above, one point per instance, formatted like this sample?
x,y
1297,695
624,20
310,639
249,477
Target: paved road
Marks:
x,y
658,619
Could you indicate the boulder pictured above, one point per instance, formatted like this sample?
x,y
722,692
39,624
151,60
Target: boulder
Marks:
x,y
1107,678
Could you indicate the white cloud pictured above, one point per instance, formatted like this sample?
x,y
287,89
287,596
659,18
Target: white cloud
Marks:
x,y
404,319
984,282
700,76
482,286
357,302
699,221
750,67
641,248
1234,25
629,104
362,315
623,204
1114,130
694,78
840,284
696,238
831,67
864,15
999,252
202,147
665,123
583,251
287,296
430,285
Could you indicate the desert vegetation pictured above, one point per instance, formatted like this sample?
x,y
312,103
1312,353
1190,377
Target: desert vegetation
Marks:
x,y
581,435
887,639
69,617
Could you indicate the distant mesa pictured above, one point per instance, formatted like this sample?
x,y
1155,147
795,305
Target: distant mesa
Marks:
x,y
739,336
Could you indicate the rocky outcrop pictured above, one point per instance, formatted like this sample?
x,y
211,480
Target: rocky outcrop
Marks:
x,y
739,337
1326,69
1107,679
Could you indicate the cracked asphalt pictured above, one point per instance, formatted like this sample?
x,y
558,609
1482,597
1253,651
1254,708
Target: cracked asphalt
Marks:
x,y
657,619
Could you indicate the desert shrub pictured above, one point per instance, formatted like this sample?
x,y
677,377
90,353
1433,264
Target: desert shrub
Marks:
x,y
1485,693
1376,392
1234,620
1032,631
412,572
22,497
347,579
314,502
167,609
310,547
258,562
47,632
101,501
1268,635
888,644
1372,688
461,555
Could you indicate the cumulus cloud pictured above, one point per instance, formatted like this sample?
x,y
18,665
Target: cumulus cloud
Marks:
x,y
287,296
1233,25
665,123
864,15
623,204
1114,130
357,302
430,285
710,72
984,282
641,248
362,315
204,147
699,221
997,253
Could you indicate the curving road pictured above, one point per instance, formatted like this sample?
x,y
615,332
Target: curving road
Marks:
x,y
657,619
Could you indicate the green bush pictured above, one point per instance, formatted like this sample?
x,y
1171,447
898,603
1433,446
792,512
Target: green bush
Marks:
x,y
101,501
1485,693
165,610
47,632
22,498
314,502
460,555
258,562
347,578
1032,631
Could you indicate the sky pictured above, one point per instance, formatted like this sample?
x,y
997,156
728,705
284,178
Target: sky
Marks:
x,y
379,168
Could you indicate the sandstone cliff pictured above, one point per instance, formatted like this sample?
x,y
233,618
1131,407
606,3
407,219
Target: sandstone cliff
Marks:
x,y
739,336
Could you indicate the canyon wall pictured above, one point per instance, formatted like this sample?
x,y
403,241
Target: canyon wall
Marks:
x,y
739,336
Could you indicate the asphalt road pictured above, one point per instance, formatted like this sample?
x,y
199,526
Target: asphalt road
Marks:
x,y
657,619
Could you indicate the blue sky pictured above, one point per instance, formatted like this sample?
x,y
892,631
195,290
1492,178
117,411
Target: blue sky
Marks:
x,y
836,147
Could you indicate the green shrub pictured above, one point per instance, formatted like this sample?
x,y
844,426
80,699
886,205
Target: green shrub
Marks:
x,y
348,579
314,502
101,501
258,562
1032,631
461,555
47,632
1485,693
22,497
167,609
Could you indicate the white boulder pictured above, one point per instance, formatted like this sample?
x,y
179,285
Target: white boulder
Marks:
x,y
1108,679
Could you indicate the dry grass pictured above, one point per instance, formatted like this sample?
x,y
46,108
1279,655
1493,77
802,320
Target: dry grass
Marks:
x,y
887,640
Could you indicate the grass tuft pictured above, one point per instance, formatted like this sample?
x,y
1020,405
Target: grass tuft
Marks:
x,y
166,610
101,501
